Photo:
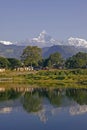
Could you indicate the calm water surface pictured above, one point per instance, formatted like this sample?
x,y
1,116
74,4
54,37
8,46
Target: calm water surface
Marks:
x,y
43,109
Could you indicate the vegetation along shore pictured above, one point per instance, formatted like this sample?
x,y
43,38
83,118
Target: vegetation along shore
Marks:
x,y
54,71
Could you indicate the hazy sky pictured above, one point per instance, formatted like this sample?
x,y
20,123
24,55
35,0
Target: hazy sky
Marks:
x,y
21,19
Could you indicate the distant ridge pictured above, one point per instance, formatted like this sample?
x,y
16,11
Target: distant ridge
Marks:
x,y
14,51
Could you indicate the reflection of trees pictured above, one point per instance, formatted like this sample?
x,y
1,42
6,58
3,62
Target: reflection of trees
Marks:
x,y
55,97
78,95
32,102
35,102
8,94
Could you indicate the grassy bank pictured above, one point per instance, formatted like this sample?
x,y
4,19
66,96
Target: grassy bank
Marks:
x,y
46,78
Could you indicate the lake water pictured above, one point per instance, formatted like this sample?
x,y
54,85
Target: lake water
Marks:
x,y
43,109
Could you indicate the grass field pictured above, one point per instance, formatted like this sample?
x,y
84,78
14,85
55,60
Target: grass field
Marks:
x,y
45,78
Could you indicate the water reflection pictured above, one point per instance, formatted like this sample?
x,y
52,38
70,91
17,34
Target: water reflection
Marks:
x,y
8,94
32,102
5,110
44,102
78,95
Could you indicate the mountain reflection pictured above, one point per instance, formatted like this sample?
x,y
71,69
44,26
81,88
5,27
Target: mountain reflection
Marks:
x,y
44,102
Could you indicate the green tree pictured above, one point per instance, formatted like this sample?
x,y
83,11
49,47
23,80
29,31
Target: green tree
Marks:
x,y
14,63
4,63
55,60
77,61
31,56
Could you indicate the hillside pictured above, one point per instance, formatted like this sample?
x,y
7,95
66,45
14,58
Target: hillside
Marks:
x,y
13,51
66,51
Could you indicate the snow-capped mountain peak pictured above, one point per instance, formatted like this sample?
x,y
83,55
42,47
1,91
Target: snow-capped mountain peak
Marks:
x,y
43,32
43,37
44,40
77,42
6,42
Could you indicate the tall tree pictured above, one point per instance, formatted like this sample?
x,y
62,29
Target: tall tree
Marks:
x,y
55,59
31,56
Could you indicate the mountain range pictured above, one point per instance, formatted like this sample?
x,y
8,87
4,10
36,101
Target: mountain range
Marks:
x,y
45,40
48,44
42,40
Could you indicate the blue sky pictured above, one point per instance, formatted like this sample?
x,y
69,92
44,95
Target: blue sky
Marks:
x,y
21,19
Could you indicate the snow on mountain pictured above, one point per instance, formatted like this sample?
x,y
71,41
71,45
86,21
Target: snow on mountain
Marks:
x,y
42,40
43,37
6,42
45,40
77,42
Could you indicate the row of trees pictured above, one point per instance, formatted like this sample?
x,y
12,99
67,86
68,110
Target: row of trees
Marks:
x,y
9,63
77,61
32,56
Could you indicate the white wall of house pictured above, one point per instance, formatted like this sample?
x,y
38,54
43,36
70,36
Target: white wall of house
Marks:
x,y
24,68
2,70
